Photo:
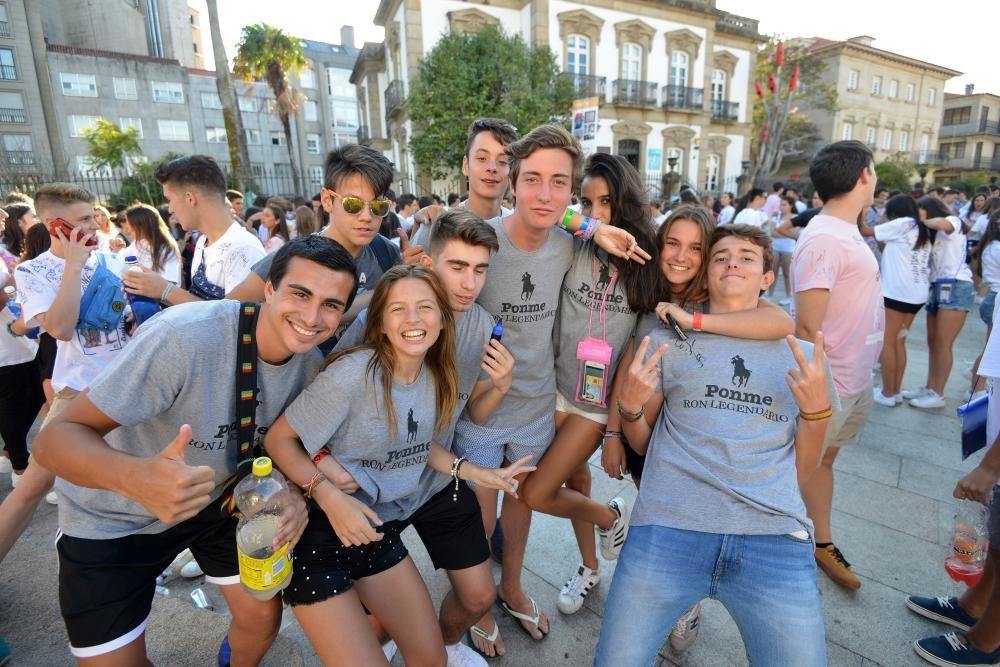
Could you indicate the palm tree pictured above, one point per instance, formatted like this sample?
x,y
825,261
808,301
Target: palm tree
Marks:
x,y
267,53
239,156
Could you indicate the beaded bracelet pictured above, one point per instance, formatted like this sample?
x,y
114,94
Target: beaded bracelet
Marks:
x,y
456,465
612,434
817,416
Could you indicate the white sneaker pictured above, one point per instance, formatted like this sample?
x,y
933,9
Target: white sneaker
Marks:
x,y
191,569
14,479
685,631
389,649
613,539
460,655
5,466
910,394
785,302
52,498
890,401
572,594
931,400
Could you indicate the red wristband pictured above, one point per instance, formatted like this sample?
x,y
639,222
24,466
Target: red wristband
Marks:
x,y
696,321
320,455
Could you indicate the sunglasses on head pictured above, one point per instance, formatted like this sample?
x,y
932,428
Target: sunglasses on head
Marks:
x,y
354,205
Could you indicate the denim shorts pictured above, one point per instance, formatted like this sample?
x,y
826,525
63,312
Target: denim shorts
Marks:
x,y
963,297
986,308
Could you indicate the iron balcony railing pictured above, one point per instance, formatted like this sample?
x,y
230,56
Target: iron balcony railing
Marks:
x,y
727,112
395,97
586,85
683,98
635,93
13,116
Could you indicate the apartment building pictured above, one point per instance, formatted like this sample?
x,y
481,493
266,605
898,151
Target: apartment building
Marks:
x,y
889,101
969,139
674,77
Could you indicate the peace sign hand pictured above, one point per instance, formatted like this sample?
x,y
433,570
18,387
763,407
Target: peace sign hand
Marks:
x,y
411,253
642,379
808,381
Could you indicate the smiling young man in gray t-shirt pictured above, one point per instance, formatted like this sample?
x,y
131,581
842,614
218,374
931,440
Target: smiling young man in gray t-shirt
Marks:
x,y
731,432
142,458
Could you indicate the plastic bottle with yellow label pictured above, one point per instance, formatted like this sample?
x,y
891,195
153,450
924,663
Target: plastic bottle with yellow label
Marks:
x,y
261,497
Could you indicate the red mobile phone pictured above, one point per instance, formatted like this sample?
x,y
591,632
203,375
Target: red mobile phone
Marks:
x,y
67,230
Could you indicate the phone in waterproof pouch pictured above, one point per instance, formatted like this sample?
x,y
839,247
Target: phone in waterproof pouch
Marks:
x,y
593,382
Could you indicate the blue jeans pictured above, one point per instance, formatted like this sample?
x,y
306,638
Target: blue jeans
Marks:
x,y
766,582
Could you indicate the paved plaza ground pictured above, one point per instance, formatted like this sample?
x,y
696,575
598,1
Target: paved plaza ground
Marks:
x,y
892,515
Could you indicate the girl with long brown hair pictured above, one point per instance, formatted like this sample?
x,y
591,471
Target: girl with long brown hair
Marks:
x,y
152,243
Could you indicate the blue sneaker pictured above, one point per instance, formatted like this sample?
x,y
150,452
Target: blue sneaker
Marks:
x,y
225,652
942,610
954,650
4,653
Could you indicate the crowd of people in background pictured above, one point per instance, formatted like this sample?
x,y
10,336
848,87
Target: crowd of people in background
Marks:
x,y
477,344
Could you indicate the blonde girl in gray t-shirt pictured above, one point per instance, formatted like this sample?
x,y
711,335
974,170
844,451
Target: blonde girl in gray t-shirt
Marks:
x,y
377,408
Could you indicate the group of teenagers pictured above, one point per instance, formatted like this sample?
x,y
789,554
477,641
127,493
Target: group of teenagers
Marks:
x,y
497,351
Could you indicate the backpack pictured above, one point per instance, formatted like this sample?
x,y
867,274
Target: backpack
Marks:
x,y
102,304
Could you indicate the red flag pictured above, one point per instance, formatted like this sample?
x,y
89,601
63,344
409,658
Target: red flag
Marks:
x,y
779,56
759,89
793,83
771,83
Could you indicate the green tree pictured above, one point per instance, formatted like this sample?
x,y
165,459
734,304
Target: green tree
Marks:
x,y
473,76
781,126
109,146
895,174
239,156
141,187
267,53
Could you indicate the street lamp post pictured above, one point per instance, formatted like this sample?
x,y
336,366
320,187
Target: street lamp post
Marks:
x,y
742,181
670,178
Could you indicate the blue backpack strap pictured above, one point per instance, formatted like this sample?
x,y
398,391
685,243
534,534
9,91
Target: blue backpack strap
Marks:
x,y
383,253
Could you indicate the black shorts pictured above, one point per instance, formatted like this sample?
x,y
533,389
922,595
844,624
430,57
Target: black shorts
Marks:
x,y
106,587
634,460
46,355
902,306
452,530
324,567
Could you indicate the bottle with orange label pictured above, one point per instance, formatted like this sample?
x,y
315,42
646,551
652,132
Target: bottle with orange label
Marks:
x,y
969,543
261,498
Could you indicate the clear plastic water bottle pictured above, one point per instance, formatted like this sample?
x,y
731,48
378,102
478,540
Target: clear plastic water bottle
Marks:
x,y
15,309
261,498
969,543
143,307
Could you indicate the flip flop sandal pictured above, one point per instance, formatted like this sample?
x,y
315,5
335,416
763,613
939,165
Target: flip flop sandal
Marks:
x,y
518,616
491,638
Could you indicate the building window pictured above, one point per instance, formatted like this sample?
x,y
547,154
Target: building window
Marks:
x,y
310,110
848,131
712,163
893,89
307,77
925,146
679,69
312,144
316,177
345,114
168,92
870,134
249,104
174,130
852,79
4,22
718,85
80,125
8,71
125,89
931,96
257,169
876,85
911,92
211,101
12,108
126,123
959,116
904,140
338,82
253,137
18,149
343,138
632,61
578,54
215,135
887,140
78,85
278,139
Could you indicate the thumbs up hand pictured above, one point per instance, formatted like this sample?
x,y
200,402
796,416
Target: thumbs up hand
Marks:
x,y
171,489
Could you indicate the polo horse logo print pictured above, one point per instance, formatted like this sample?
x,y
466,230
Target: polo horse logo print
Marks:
x,y
411,427
604,279
527,287
741,374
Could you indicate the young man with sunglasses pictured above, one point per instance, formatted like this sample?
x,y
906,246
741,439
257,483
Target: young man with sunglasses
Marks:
x,y
357,179
195,189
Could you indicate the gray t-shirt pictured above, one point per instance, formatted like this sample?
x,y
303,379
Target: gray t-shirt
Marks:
x,y
423,236
721,457
472,332
523,289
649,322
585,290
344,410
180,369
369,270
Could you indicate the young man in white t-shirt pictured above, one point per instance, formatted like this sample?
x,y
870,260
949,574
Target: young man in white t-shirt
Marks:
x,y
195,189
